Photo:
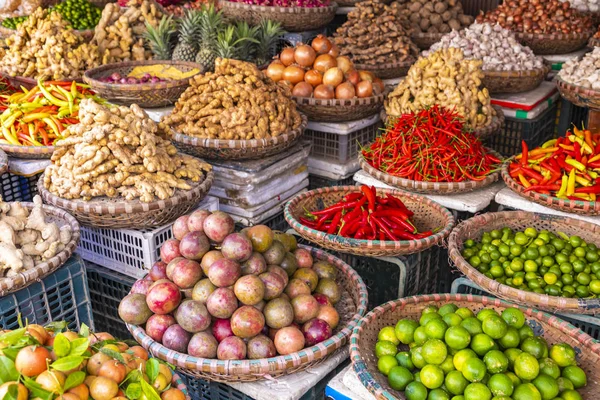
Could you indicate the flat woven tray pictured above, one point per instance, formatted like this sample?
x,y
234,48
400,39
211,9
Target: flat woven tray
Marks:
x,y
3,162
514,81
117,212
474,228
551,328
27,83
578,95
29,152
436,188
41,270
428,215
292,19
253,149
351,307
554,43
565,205
425,40
339,110
146,95
388,71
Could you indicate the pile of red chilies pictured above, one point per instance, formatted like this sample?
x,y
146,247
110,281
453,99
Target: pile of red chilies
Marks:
x,y
364,215
431,146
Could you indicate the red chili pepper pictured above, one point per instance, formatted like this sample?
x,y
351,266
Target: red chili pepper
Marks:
x,y
525,153
334,223
538,188
589,189
370,195
384,228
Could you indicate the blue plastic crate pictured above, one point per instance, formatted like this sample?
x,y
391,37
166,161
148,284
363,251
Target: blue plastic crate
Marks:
x,y
18,188
62,295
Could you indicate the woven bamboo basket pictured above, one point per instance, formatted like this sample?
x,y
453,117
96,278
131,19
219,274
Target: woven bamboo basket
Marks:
x,y
292,19
554,43
578,95
43,269
178,383
114,213
435,188
339,110
594,42
3,162
28,152
428,216
519,220
237,149
27,83
425,40
347,3
146,95
351,308
581,207
101,3
388,71
552,329
514,81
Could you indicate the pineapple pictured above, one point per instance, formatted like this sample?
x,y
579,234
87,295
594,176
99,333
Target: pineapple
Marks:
x,y
268,34
243,31
229,45
212,24
189,32
159,39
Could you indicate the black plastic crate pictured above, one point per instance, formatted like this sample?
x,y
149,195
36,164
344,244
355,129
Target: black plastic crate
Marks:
x,y
277,222
61,296
18,188
534,131
428,272
315,182
107,288
570,114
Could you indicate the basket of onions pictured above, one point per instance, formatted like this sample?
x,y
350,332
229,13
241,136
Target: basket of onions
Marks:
x,y
326,86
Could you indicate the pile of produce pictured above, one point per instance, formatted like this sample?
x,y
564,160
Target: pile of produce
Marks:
x,y
585,5
454,352
548,16
366,216
119,33
541,262
45,46
318,71
257,296
15,8
286,3
80,14
566,167
14,22
39,116
118,151
236,102
583,72
431,145
51,362
497,47
446,78
28,237
178,10
436,16
375,34
150,74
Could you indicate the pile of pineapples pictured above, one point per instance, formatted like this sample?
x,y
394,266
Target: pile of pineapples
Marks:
x,y
203,35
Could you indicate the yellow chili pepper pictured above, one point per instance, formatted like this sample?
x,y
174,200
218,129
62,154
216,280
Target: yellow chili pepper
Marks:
x,y
571,183
588,138
592,174
577,132
563,187
50,97
584,146
583,196
52,125
595,158
593,196
549,143
32,117
576,164
8,136
524,181
582,181
11,120
566,147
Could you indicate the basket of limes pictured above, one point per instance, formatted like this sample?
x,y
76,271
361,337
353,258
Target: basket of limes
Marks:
x,y
473,347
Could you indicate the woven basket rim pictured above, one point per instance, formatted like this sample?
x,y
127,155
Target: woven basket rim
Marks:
x,y
544,69
370,381
99,207
90,76
290,10
263,366
554,36
357,101
41,270
391,65
421,244
177,382
573,88
33,81
566,205
289,136
433,188
545,301
19,150
3,162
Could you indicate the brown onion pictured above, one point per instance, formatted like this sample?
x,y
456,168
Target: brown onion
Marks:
x,y
321,44
302,89
334,51
378,86
324,92
324,62
287,56
313,77
364,89
344,63
275,70
333,76
293,74
304,55
345,91
366,76
352,76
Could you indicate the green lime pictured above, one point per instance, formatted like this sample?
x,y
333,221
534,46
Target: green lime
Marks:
x,y
472,325
570,395
513,317
429,309
416,357
477,391
482,343
549,367
514,378
494,327
385,348
432,376
399,377
461,357
465,313
547,386
457,337
436,328
564,384
455,382
595,286
438,394
434,351
576,375
452,319
387,333
420,336
448,364
386,363
500,385
404,330
562,354
425,318
447,309
512,355
404,360
536,346
474,370
495,361
415,391
485,313
526,391
510,339
525,331
527,366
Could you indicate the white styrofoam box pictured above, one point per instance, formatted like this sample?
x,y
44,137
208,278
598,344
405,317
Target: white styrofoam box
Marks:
x,y
331,170
471,202
532,114
156,114
393,82
347,386
343,128
525,100
23,167
510,199
293,386
265,216
129,251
